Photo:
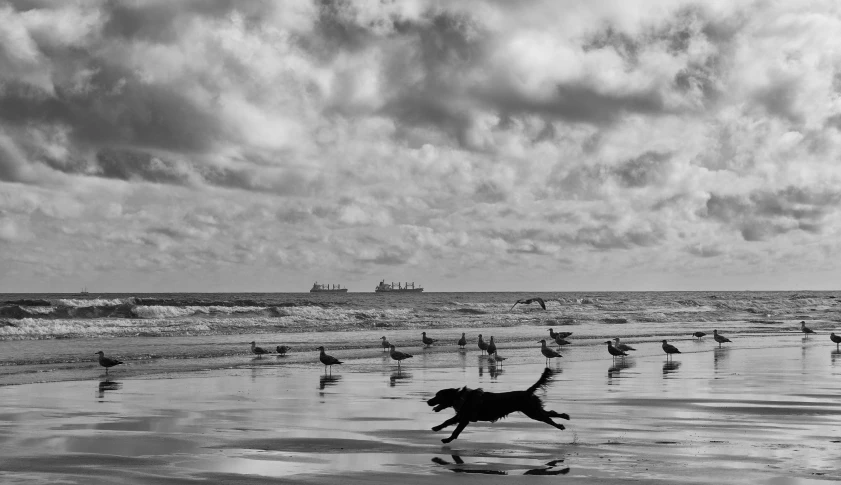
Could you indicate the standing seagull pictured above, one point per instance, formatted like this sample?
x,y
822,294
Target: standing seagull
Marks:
x,y
836,339
107,362
529,301
258,350
719,338
482,345
547,352
556,335
282,349
327,359
398,356
491,346
462,341
560,340
428,341
698,335
621,346
385,343
614,351
670,349
806,330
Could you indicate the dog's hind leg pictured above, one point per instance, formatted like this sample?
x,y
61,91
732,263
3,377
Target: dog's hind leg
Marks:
x,y
544,417
456,432
446,423
553,414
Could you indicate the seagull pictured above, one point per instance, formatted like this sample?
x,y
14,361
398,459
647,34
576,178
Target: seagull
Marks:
x,y
385,343
530,301
462,341
670,349
720,338
258,350
106,361
547,352
698,335
482,345
428,341
282,349
836,339
555,335
491,346
560,341
806,330
398,356
327,359
496,359
614,351
621,346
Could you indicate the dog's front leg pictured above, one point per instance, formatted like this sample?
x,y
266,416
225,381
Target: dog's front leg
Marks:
x,y
446,423
457,431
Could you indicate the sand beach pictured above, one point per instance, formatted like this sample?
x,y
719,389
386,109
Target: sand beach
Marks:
x,y
764,409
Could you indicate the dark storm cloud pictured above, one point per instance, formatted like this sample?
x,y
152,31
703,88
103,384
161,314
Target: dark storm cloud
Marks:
x,y
763,215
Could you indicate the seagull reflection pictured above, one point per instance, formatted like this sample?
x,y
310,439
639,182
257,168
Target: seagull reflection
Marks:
x,y
458,466
495,371
719,356
836,354
398,376
328,380
617,367
107,385
670,367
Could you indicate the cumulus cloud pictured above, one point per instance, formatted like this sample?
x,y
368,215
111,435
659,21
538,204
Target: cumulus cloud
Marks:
x,y
456,142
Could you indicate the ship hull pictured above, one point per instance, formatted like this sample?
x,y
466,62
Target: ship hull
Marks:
x,y
335,290
410,290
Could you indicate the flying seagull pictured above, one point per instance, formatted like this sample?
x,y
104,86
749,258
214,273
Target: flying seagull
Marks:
x,y
529,301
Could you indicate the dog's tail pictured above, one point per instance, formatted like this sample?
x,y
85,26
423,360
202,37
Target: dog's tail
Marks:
x,y
541,383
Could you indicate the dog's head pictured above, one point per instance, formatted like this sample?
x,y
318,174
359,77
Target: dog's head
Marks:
x,y
444,399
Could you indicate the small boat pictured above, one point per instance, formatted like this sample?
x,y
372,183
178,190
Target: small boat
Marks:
x,y
84,291
316,288
384,287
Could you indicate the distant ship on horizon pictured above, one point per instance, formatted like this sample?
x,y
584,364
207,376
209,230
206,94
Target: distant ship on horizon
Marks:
x,y
384,287
316,288
84,291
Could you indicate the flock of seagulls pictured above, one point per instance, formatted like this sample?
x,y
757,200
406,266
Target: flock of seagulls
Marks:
x,y
614,347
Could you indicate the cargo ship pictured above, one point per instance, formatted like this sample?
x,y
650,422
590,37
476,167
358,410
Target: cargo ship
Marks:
x,y
384,287
316,288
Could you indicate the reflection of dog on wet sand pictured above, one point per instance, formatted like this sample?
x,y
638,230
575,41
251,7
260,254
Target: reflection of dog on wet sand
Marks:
x,y
473,405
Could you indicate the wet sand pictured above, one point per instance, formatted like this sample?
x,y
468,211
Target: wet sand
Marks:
x,y
760,410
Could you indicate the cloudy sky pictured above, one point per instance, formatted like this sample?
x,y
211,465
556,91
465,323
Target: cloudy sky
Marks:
x,y
473,145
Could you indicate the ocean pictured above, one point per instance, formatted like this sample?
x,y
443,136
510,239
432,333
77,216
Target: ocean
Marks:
x,y
53,336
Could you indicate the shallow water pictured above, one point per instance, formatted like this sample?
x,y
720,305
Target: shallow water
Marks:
x,y
759,410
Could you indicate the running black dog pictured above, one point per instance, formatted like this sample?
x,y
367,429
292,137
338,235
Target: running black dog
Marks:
x,y
473,405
